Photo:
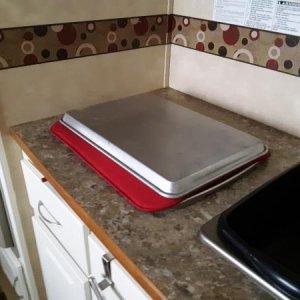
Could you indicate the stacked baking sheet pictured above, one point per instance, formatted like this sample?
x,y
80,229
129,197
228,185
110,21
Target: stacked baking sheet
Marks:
x,y
160,147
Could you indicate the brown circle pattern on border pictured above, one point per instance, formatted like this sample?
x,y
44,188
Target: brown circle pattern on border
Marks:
x,y
278,42
200,46
91,26
203,27
231,36
68,40
30,59
254,34
159,20
171,23
67,35
272,64
240,43
63,41
112,48
141,27
28,36
186,21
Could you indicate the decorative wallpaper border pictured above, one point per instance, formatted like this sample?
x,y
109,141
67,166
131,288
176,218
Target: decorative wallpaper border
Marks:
x,y
271,50
48,43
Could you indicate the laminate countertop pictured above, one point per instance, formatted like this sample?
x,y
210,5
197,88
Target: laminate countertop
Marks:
x,y
162,250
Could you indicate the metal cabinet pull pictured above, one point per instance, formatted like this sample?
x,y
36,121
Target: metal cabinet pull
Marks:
x,y
43,218
95,288
107,281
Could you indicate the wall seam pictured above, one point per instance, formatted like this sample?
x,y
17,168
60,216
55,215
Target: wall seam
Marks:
x,y
167,59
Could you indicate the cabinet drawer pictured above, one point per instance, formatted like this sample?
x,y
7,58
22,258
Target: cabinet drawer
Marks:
x,y
124,286
58,217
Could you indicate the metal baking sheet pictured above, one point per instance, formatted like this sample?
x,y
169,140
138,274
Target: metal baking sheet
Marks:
x,y
209,235
173,149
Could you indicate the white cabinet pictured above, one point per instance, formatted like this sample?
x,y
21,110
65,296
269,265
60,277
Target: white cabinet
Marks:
x,y
123,285
75,264
59,218
97,251
62,278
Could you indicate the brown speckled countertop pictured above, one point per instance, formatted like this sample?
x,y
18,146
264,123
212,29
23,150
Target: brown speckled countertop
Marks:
x,y
165,246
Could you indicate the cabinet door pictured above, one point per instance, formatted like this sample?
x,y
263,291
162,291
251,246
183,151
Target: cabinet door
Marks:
x,y
62,278
97,250
123,285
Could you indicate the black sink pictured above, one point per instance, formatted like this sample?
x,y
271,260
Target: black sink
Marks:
x,y
263,229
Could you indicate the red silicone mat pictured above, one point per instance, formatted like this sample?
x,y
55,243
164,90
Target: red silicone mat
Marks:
x,y
138,194
135,191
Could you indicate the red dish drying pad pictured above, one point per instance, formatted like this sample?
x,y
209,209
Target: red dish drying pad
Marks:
x,y
137,193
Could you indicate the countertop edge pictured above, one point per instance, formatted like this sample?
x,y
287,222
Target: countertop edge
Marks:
x,y
99,232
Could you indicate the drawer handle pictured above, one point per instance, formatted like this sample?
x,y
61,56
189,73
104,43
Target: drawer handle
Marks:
x,y
107,281
43,218
95,288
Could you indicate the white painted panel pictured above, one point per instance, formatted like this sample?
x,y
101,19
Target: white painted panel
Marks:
x,y
258,93
96,251
12,268
202,9
32,12
10,200
62,278
57,216
124,286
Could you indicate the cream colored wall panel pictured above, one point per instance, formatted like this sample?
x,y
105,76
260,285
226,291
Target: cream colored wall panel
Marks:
x,y
34,92
202,9
32,12
267,96
39,91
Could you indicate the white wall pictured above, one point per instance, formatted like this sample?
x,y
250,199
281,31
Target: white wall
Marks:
x,y
34,92
48,89
264,95
38,91
33,12
202,9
